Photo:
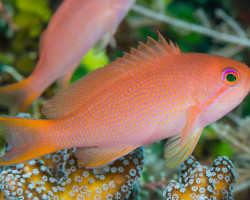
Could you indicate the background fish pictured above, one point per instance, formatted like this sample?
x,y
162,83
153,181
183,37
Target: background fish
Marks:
x,y
76,26
153,93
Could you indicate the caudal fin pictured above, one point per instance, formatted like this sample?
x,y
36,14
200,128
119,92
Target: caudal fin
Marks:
x,y
18,96
25,139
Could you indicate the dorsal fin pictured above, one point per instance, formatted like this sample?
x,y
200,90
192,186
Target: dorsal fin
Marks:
x,y
80,91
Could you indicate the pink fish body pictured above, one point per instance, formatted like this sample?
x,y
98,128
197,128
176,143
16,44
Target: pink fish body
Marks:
x,y
76,26
153,93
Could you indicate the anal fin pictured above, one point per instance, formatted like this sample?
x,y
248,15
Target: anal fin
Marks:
x,y
99,156
175,153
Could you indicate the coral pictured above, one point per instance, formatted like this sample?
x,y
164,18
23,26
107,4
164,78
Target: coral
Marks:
x,y
58,176
199,182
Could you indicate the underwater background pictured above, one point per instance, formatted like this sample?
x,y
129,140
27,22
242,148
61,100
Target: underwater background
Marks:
x,y
23,21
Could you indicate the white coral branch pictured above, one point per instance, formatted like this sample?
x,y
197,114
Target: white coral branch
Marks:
x,y
221,36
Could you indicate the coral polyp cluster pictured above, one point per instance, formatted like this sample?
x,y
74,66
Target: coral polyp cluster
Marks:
x,y
199,182
58,176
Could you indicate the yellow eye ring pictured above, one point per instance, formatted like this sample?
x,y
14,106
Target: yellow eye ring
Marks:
x,y
230,77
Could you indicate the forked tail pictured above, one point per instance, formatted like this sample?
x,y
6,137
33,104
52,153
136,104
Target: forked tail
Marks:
x,y
25,139
18,96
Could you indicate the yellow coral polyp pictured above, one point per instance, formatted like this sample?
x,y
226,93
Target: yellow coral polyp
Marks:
x,y
199,182
223,176
58,176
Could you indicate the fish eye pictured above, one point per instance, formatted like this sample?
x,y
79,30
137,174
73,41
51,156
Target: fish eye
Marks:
x,y
230,77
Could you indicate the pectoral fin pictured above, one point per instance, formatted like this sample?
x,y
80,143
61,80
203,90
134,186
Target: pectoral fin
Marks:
x,y
99,156
108,39
190,126
176,153
64,80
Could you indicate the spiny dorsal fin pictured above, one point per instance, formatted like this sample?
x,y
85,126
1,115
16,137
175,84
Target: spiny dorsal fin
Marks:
x,y
153,48
82,90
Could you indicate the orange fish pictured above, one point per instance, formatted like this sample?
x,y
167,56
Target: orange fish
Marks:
x,y
76,26
153,93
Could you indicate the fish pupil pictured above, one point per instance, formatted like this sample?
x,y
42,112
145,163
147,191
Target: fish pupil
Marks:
x,y
231,77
